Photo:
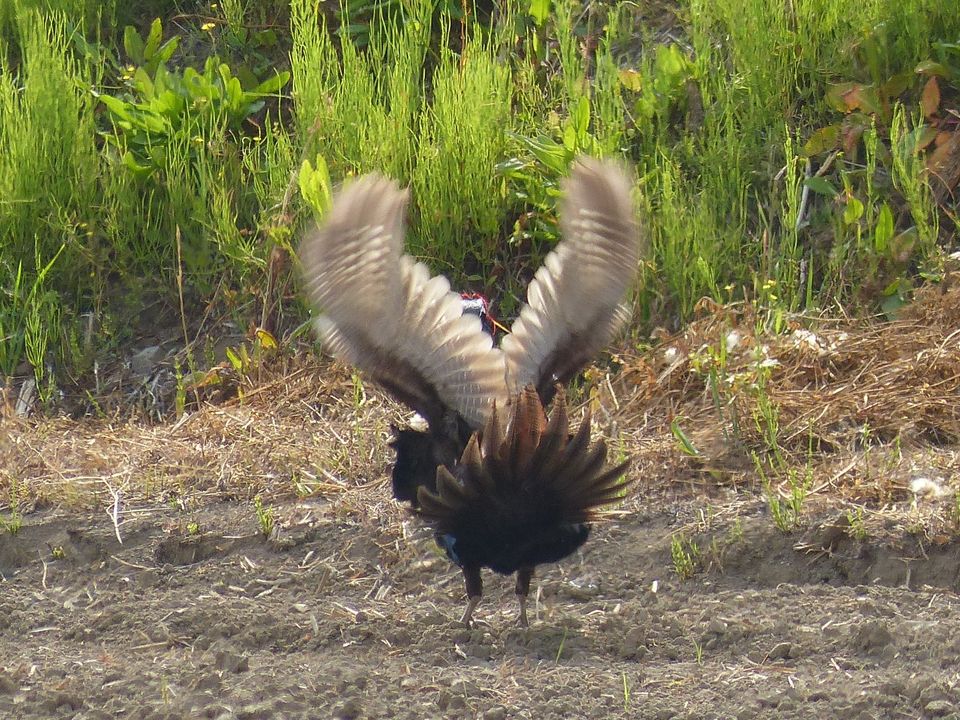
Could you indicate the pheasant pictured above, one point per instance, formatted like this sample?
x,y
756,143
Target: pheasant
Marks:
x,y
502,486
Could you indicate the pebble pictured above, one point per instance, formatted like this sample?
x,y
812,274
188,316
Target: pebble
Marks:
x,y
770,699
938,708
632,647
257,711
464,687
7,685
497,712
871,636
347,710
231,662
780,651
64,702
207,681
717,626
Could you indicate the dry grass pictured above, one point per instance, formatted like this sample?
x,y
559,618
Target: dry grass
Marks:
x,y
868,407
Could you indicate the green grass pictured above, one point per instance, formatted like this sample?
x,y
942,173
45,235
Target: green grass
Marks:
x,y
130,176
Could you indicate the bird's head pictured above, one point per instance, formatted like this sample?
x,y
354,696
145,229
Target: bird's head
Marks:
x,y
478,305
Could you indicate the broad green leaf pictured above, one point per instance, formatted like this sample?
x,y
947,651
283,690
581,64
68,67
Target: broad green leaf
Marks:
x,y
631,80
926,135
929,67
116,106
549,152
273,84
167,50
153,39
235,360
314,182
836,96
826,138
570,139
883,233
266,338
821,185
853,210
539,11
133,44
581,116
144,85
867,99
892,304
139,170
897,85
681,437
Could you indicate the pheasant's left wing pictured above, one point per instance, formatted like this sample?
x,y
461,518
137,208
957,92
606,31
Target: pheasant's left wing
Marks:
x,y
381,311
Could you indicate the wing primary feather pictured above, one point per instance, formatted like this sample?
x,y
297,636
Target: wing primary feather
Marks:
x,y
573,302
381,311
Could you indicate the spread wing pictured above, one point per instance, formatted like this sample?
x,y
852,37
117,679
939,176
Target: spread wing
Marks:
x,y
574,301
382,312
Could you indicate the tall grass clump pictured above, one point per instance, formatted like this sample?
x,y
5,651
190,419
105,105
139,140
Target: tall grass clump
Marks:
x,y
359,107
48,155
463,134
48,190
730,205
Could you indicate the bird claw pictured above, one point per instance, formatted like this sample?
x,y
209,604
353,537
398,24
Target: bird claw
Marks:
x,y
467,618
522,617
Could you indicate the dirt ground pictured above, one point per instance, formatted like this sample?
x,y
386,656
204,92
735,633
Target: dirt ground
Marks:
x,y
346,608
345,617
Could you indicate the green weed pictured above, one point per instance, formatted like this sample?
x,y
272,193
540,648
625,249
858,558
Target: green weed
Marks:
x,y
685,554
265,519
16,495
857,528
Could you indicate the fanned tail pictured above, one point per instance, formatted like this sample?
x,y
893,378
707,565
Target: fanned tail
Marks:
x,y
531,473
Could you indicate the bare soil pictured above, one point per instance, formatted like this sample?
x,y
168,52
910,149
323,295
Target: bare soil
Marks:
x,y
345,616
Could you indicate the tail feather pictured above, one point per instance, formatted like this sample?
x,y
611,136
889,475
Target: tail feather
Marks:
x,y
554,437
525,432
530,475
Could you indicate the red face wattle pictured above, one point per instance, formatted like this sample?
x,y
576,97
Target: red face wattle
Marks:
x,y
478,305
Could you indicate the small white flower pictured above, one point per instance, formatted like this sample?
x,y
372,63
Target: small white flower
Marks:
x,y
927,488
733,339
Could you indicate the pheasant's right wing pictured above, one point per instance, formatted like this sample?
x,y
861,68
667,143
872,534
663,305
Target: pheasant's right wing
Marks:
x,y
382,312
574,300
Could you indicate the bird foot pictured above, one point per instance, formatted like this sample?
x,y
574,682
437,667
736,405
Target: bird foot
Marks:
x,y
522,617
472,603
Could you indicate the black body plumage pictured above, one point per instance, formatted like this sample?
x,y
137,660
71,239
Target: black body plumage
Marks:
x,y
502,488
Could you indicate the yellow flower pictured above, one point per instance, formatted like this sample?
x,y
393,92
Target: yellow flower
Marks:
x,y
208,26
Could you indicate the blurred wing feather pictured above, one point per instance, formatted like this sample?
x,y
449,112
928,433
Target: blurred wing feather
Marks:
x,y
574,300
382,312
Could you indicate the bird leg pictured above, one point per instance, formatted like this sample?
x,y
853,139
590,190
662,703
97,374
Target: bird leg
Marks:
x,y
524,575
474,583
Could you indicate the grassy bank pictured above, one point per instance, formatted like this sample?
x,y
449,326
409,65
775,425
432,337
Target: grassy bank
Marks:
x,y
782,152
